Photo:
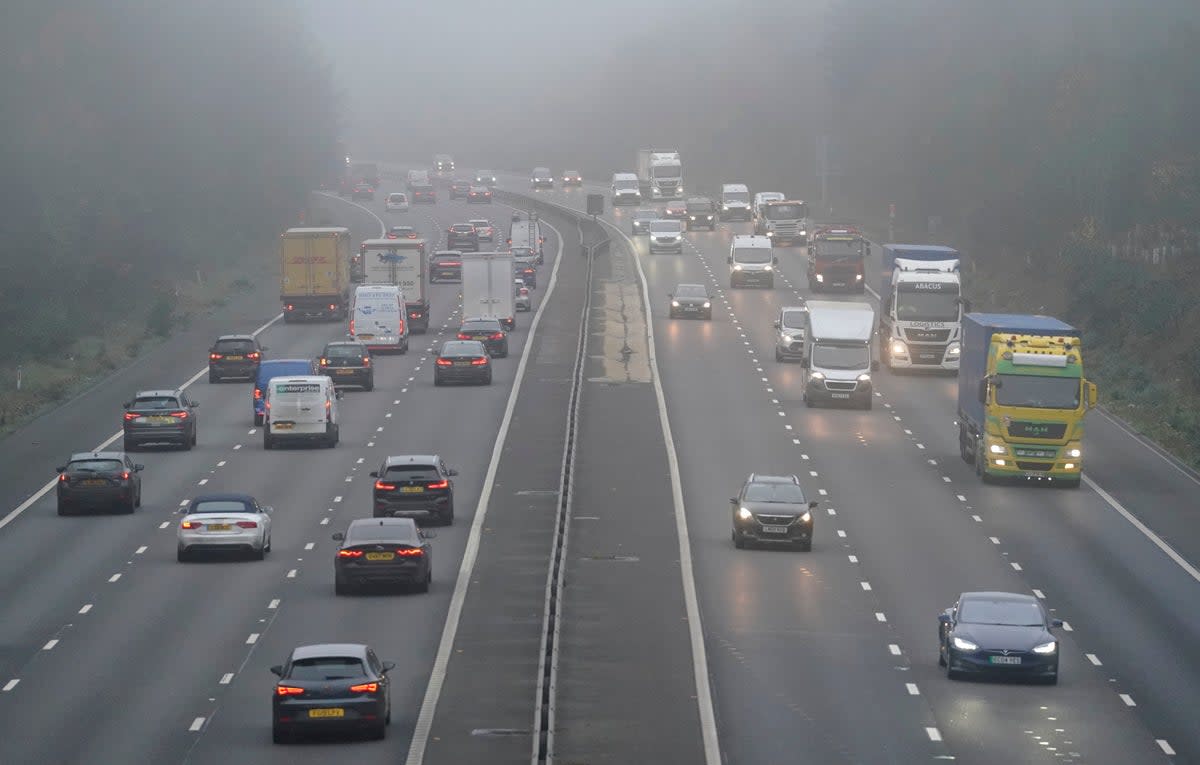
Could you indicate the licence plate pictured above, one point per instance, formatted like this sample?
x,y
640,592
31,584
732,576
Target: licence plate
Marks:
x,y
462,363
234,358
1005,659
774,529
344,371
364,336
161,420
282,425
839,395
333,712
412,489
219,527
95,482
381,556
928,356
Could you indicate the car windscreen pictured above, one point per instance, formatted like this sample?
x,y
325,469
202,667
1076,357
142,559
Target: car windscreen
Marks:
x,y
95,466
701,207
463,228
1038,392
838,248
481,224
396,533
794,319
220,506
1005,612
395,197
541,171
345,351
840,357
156,402
774,492
234,346
690,291
665,227
327,668
400,230
412,473
786,212
668,172
751,254
625,183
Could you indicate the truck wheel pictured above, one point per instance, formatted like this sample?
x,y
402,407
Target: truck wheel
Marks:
x,y
778,356
258,419
967,455
287,318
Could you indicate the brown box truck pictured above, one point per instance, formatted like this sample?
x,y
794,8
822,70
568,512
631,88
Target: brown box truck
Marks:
x,y
314,273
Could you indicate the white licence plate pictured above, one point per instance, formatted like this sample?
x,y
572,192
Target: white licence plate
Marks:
x,y
1006,659
839,395
774,529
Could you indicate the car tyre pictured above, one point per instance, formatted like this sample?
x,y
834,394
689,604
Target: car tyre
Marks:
x,y
212,377
437,381
378,732
139,497
941,655
129,444
778,355
64,509
738,542
260,553
423,585
278,736
369,385
488,381
805,546
181,555
1051,680
130,506
340,588
268,442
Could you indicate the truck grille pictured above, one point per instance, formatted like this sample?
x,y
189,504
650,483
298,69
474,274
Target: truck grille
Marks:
x,y
840,386
1023,429
787,229
1035,466
927,335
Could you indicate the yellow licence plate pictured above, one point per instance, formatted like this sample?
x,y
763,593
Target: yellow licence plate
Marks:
x,y
234,358
95,482
381,556
344,371
332,712
161,420
219,527
282,425
412,489
365,335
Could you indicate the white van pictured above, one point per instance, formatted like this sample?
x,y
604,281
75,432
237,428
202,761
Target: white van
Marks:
x,y
300,408
735,202
625,189
377,318
397,201
525,236
752,261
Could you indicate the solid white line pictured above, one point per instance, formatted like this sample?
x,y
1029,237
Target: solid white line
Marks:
x,y
309,545
866,586
291,574
226,678
1094,659
140,550
853,558
437,676
11,683
164,524
196,725
933,733
1039,594
86,607
1016,566
1129,702
880,616
1165,747
50,644
1137,524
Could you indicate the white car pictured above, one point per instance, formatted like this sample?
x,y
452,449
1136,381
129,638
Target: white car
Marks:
x,y
224,522
397,201
484,231
521,300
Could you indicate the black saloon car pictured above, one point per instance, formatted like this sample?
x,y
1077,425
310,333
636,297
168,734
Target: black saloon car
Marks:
x,y
675,210
159,417
459,187
382,551
998,633
572,178
488,331
415,486
348,363
641,220
701,213
525,268
462,236
462,361
479,195
99,480
771,509
690,300
331,687
234,356
363,191
445,266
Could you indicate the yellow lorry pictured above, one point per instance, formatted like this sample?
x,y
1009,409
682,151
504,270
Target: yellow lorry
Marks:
x,y
314,273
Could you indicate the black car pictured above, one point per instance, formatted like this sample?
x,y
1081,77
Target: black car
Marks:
x,y
541,178
691,300
488,331
402,232
459,187
445,266
363,191
479,195
462,361
348,363
572,178
641,220
331,687
771,509
159,417
424,195
462,236
415,486
94,480
998,633
234,356
525,269
701,213
674,211
382,551
485,177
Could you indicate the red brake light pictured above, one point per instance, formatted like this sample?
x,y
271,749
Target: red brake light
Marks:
x,y
400,328
444,362
414,315
479,362
350,553
352,326
324,362
254,355
498,336
366,362
180,415
257,394
442,484
63,477
131,416
125,475
247,524
215,356
384,486
463,336
364,688
191,525
288,690
410,552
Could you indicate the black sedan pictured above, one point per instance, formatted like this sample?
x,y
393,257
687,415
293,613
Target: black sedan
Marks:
x,y
331,687
159,417
459,188
771,509
348,363
234,356
94,480
1003,634
402,232
445,266
463,361
363,191
701,213
676,210
642,219
489,332
382,551
690,300
462,236
525,269
572,178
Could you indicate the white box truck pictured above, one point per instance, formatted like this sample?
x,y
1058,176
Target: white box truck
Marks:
x,y
487,287
400,262
840,356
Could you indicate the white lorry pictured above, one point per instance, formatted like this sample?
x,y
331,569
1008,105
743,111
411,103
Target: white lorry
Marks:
x,y
400,262
921,307
487,287
660,174
839,353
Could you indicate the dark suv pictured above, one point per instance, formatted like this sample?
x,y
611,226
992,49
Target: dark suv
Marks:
x,y
415,486
771,509
347,363
99,479
160,417
701,213
487,331
462,236
234,356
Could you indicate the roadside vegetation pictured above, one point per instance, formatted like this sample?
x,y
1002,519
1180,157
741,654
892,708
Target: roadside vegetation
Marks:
x,y
144,173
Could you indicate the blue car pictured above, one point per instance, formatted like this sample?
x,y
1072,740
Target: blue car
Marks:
x,y
277,368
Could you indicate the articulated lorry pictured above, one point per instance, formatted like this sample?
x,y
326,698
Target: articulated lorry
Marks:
x,y
1022,398
314,273
786,221
400,262
921,307
836,259
660,174
488,288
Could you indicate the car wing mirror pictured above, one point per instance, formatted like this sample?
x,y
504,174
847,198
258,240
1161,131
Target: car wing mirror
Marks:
x,y
729,259
339,395
277,670
1093,396
268,509
944,618
338,536
138,468
374,474
733,500
127,404
812,505
428,534
451,471
776,325
1056,622
388,666
61,469
981,392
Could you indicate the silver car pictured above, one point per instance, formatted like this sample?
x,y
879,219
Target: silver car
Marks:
x,y
789,329
521,299
224,523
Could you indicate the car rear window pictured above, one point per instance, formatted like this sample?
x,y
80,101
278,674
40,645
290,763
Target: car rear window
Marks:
x,y
481,224
156,402
395,197
390,532
95,466
774,492
345,351
327,668
220,506
413,472
463,228
235,346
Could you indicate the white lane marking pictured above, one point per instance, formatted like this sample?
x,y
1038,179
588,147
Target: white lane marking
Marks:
x,y
202,481
221,463
1039,594
832,511
995,540
13,683
397,401
1137,524
880,616
1165,747
803,456
252,639
894,649
274,603
977,519
226,678
813,473
933,733
164,524
866,586
196,725
822,492
349,478
50,644
946,478
309,545
337,499
1067,626
437,676
324,521
379,429
841,533
114,577
796,441
252,431
1016,566
1094,659
236,447
1129,702
359,461
86,607
1165,458
291,574
912,689
370,443
920,446
853,558
140,550
961,498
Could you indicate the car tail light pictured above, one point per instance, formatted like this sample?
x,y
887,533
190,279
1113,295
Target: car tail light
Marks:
x,y
288,690
444,362
131,416
410,552
479,362
364,688
328,411
400,328
324,362
463,336
125,475
247,524
350,553
258,394
352,326
385,486
215,356
191,525
442,484
414,315
180,415
332,307
289,307
254,355
496,336
366,361
62,478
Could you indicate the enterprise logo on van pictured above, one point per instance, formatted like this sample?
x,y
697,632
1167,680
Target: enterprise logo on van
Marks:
x,y
298,388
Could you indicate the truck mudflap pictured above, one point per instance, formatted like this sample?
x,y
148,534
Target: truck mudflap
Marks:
x,y
418,317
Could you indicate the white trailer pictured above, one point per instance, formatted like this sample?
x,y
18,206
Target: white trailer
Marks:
x,y
487,287
400,262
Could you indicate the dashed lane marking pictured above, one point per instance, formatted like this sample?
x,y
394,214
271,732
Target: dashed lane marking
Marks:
x,y
291,574
13,683
1165,747
50,645
196,725
226,678
912,689
1129,702
274,603
894,649
86,607
1094,659
1039,594
114,577
140,550
934,734
252,639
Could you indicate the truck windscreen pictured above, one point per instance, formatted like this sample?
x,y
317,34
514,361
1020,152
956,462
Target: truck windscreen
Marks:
x,y
926,306
672,171
838,249
786,212
840,357
1038,392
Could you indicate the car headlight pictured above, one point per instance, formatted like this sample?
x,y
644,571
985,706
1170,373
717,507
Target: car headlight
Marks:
x,y
745,514
997,449
815,376
964,645
707,304
899,348
724,207
1046,648
806,517
864,378
674,303
768,267
1074,453
692,217
770,233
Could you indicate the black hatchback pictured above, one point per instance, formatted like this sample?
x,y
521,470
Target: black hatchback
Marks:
x,y
771,509
347,363
487,331
445,266
334,686
96,480
159,417
382,551
234,356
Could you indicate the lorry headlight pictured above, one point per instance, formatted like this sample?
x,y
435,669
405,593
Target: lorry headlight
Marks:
x,y
997,449
770,233
674,303
724,207
858,277
954,349
820,277
1069,466
707,304
737,266
745,514
899,348
999,463
803,232
1075,453
816,376
864,378
768,267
